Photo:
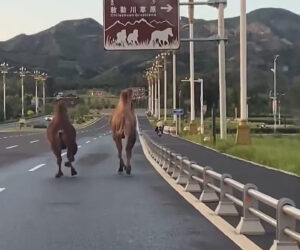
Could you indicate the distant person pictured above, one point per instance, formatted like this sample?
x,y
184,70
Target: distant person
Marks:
x,y
62,135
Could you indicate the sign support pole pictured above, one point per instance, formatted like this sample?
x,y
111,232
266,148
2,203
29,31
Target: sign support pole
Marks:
x,y
165,87
155,94
174,84
152,95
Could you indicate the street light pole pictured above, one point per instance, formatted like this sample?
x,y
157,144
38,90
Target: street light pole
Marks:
x,y
152,94
243,131
222,72
275,93
36,76
155,97
4,70
192,70
44,77
22,73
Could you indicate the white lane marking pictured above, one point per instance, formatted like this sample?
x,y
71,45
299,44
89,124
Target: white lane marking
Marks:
x,y
15,146
63,154
34,141
79,146
100,136
95,138
5,137
87,142
36,167
2,189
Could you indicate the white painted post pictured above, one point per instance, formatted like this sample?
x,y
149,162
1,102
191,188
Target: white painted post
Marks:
x,y
201,106
44,96
192,73
174,84
152,95
222,72
243,59
22,86
36,96
158,93
156,102
4,97
165,87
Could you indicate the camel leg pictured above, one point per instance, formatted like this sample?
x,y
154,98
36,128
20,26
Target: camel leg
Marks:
x,y
57,151
130,143
69,163
118,142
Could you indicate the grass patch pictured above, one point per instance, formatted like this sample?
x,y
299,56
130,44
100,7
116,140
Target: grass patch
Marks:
x,y
279,151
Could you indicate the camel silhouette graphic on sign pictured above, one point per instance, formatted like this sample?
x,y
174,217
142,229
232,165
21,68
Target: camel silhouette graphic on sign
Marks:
x,y
121,38
161,37
133,37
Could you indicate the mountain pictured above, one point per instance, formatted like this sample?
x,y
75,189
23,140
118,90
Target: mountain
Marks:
x,y
72,52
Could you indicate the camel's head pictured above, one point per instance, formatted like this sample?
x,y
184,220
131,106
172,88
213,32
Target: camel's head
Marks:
x,y
60,107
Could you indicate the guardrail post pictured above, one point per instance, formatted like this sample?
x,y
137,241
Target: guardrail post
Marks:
x,y
283,241
182,177
167,159
226,207
249,223
192,185
171,167
208,194
162,155
176,171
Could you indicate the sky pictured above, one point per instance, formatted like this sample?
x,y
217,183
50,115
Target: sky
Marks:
x,y
32,16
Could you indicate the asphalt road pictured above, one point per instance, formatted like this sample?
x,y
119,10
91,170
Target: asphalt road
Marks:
x,y
98,209
274,183
32,121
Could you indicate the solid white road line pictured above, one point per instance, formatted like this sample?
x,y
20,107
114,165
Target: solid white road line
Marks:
x,y
34,141
87,142
2,189
63,154
15,146
36,167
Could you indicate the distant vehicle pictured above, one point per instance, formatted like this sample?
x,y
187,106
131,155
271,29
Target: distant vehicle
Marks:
x,y
49,118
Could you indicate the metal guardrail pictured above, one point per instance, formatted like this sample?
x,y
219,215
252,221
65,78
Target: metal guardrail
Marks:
x,y
221,188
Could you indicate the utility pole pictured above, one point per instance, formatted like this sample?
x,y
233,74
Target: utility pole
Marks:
x,y
4,70
243,131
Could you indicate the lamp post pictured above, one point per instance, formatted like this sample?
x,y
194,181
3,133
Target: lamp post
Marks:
x,y
158,67
44,77
243,131
274,70
37,77
22,73
4,70
192,70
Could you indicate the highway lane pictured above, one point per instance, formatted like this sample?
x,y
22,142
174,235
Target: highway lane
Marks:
x,y
98,209
16,147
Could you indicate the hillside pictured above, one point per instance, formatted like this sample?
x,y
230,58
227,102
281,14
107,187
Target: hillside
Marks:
x,y
72,52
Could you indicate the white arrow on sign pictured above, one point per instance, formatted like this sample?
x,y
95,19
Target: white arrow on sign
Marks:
x,y
168,8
